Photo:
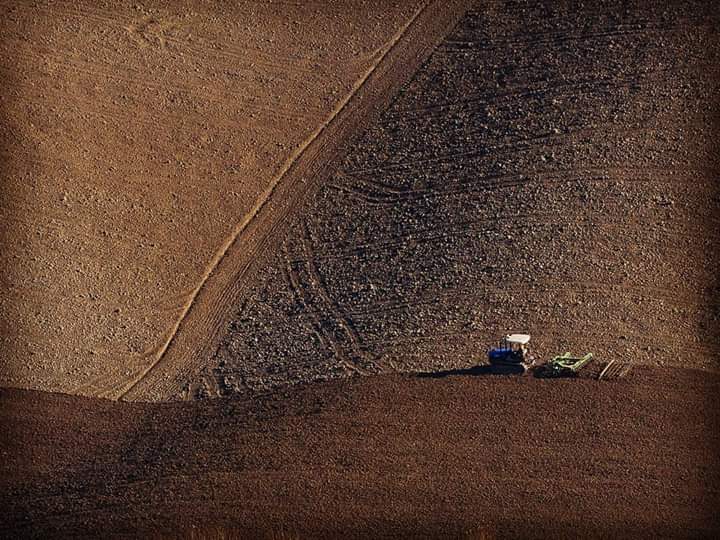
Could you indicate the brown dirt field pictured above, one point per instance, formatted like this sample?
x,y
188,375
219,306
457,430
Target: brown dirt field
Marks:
x,y
551,168
322,214
382,456
211,312
137,140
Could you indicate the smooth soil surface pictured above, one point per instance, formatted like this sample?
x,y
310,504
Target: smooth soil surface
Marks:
x,y
136,140
382,456
552,168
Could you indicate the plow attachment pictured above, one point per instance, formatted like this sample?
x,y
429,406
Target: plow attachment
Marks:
x,y
565,365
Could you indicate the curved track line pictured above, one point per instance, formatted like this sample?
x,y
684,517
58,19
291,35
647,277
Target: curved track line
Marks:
x,y
194,335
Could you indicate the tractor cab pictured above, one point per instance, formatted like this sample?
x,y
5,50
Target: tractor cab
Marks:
x,y
512,356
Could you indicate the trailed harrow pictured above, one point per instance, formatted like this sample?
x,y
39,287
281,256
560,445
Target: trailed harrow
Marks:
x,y
565,365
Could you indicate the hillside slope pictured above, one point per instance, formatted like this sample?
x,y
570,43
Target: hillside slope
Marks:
x,y
136,140
385,456
553,168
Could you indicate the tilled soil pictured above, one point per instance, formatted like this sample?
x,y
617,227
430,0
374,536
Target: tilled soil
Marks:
x,y
135,139
552,169
382,456
207,318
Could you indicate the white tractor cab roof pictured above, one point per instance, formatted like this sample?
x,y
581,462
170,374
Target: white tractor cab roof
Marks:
x,y
520,339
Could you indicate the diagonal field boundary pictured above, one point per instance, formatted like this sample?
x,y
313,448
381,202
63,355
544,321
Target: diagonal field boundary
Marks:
x,y
194,337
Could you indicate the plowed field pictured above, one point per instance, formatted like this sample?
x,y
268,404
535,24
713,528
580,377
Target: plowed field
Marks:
x,y
322,215
374,457
551,168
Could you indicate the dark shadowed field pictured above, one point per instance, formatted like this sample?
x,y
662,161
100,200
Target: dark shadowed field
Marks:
x,y
382,456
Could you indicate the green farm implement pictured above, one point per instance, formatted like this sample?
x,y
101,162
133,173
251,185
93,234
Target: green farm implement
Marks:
x,y
565,365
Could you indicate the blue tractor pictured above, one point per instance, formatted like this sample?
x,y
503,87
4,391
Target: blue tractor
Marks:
x,y
512,356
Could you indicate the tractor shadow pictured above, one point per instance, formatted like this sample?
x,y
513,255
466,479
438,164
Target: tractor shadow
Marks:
x,y
539,372
475,370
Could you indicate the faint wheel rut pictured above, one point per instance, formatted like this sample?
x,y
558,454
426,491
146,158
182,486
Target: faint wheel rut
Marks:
x,y
334,328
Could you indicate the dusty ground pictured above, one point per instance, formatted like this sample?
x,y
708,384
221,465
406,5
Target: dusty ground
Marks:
x,y
382,456
136,140
551,168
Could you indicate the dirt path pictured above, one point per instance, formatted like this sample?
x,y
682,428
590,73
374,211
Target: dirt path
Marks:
x,y
386,456
230,274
